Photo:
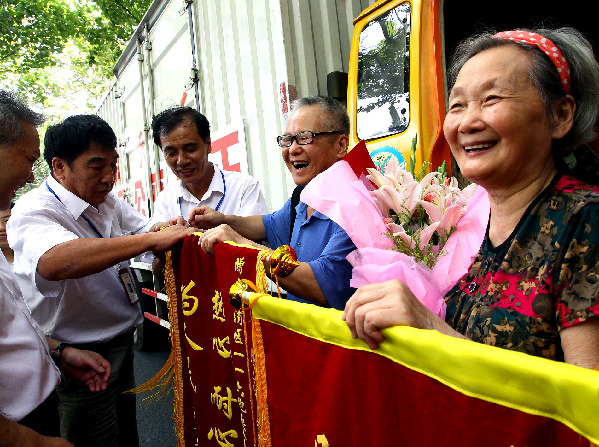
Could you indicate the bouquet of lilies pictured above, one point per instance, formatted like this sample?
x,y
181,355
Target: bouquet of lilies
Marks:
x,y
419,228
421,214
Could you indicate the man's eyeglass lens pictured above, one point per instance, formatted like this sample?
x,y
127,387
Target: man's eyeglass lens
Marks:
x,y
305,137
36,162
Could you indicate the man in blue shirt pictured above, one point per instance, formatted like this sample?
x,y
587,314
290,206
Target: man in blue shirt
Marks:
x,y
315,138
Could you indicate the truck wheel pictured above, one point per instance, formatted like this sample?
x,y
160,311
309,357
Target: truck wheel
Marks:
x,y
150,337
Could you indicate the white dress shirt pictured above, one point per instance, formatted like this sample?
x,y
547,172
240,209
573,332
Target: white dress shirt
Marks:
x,y
91,309
241,196
27,373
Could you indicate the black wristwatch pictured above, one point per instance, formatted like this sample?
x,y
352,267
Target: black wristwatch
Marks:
x,y
57,351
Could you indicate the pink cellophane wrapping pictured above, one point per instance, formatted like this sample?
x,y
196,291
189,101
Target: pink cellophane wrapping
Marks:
x,y
340,195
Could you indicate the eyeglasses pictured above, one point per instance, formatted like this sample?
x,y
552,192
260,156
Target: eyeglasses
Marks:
x,y
36,162
305,137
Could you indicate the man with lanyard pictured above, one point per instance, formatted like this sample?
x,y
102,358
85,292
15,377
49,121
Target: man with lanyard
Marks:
x,y
316,136
183,134
28,371
72,239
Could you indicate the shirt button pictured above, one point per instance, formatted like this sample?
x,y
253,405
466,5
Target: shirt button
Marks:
x,y
299,244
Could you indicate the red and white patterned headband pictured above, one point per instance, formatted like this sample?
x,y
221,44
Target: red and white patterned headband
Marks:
x,y
545,45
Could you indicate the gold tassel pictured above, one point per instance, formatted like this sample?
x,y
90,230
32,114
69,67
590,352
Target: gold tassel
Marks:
x,y
261,282
162,381
263,420
159,384
177,369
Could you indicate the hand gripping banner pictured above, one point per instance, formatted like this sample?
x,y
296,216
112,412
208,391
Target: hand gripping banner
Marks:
x,y
283,373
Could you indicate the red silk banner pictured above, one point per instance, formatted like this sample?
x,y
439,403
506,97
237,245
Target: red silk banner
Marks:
x,y
213,386
308,383
318,391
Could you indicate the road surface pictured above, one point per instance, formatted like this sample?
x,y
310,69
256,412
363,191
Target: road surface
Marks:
x,y
154,420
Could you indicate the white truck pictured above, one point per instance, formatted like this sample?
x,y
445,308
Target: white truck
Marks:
x,y
241,63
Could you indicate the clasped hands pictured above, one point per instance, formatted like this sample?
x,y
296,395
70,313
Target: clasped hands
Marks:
x,y
211,223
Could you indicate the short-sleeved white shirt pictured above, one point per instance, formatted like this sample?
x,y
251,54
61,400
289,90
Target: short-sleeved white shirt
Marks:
x,y
91,309
27,373
241,196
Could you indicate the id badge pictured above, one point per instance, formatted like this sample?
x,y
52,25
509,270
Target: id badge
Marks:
x,y
128,285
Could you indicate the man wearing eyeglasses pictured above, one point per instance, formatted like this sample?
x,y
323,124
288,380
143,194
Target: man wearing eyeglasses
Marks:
x,y
315,138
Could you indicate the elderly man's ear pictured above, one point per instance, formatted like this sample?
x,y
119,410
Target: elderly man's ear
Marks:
x,y
342,146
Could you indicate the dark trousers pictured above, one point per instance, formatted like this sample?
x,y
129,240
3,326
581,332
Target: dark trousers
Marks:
x,y
105,418
44,419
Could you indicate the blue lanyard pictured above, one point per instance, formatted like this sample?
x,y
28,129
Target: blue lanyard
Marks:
x,y
84,217
219,202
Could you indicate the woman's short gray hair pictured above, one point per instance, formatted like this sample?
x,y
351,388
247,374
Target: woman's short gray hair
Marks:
x,y
584,73
334,116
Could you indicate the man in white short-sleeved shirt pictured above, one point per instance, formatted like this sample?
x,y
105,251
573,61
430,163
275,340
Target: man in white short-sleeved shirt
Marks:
x,y
73,239
28,372
183,134
21,393
49,216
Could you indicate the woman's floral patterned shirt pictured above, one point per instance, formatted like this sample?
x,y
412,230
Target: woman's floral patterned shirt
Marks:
x,y
543,278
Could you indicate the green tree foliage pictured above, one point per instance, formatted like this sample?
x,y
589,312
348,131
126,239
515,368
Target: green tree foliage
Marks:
x,y
107,33
35,33
59,54
30,33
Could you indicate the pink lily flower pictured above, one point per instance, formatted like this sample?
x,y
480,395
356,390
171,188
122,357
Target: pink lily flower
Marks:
x,y
398,231
450,219
425,235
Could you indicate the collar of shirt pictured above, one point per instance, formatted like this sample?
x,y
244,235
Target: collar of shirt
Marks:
x,y
216,186
75,204
302,209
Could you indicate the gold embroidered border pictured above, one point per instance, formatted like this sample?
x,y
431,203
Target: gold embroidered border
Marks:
x,y
173,304
260,387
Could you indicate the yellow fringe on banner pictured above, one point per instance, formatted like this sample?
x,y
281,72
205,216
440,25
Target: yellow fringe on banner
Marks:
x,y
173,304
159,384
162,380
263,420
261,282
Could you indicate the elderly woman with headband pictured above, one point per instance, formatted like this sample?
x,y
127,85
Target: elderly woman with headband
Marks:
x,y
518,99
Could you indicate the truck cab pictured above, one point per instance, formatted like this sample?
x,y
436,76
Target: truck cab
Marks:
x,y
397,86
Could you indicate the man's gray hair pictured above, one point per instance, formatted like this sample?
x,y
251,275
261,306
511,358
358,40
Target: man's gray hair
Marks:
x,y
334,116
13,113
